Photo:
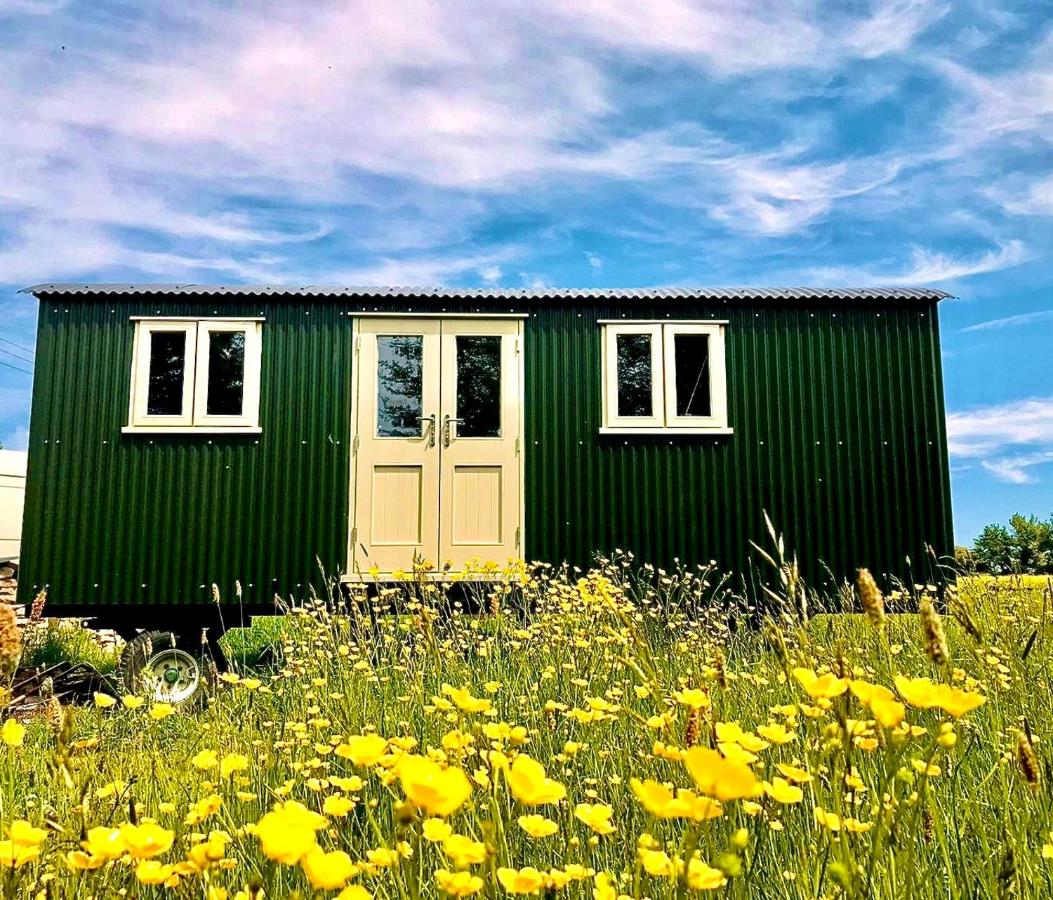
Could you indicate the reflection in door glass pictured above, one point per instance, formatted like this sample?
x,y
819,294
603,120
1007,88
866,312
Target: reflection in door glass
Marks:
x,y
634,375
164,396
400,366
479,385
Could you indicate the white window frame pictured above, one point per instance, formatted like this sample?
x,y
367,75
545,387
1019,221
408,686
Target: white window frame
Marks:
x,y
610,369
663,384
194,419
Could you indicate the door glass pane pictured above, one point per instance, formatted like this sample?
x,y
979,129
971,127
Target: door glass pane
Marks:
x,y
164,396
692,374
400,367
634,375
479,385
226,373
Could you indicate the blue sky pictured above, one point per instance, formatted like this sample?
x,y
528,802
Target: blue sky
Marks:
x,y
561,142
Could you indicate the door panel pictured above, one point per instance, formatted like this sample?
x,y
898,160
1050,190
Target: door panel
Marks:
x,y
480,483
396,502
436,461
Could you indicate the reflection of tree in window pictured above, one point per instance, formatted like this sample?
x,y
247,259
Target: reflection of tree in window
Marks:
x,y
226,373
164,397
634,375
479,386
399,385
692,374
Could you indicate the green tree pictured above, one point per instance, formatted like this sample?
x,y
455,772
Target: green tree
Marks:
x,y
1025,547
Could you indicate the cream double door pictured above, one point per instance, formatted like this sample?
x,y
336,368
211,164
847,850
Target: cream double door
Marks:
x,y
436,452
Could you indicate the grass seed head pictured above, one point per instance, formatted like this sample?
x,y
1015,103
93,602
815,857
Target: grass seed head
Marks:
x,y
10,640
935,639
871,598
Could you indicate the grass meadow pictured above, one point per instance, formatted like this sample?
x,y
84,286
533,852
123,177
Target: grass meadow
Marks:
x,y
623,732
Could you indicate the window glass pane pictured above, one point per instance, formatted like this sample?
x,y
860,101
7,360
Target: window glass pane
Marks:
x,y
634,375
400,366
226,373
479,385
164,396
692,374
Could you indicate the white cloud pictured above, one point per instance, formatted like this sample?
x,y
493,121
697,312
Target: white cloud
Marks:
x,y
1016,469
490,274
1027,199
929,267
594,260
984,431
1030,318
18,439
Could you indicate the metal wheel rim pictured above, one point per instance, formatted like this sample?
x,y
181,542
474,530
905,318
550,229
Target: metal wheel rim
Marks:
x,y
172,676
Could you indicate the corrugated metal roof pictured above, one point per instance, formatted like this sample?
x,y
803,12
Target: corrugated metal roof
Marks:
x,y
454,293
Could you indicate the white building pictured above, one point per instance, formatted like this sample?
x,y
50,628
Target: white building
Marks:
x,y
12,497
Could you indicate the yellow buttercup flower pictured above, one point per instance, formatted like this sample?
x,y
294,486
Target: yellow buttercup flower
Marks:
x,y
718,777
530,785
337,805
527,880
464,851
438,790
776,733
287,832
887,710
363,750
23,834
436,830
104,701
692,697
206,759
597,816
538,826
922,693
327,871
130,701
458,884
13,733
13,856
820,687
104,843
781,791
464,700
231,763
161,711
703,877
153,871
147,840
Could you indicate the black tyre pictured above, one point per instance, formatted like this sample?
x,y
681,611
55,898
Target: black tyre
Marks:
x,y
163,666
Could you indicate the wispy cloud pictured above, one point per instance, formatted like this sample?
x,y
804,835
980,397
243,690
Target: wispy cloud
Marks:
x,y
929,267
1030,318
985,430
1017,469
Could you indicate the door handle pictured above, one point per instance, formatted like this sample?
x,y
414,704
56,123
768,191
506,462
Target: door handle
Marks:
x,y
431,429
446,423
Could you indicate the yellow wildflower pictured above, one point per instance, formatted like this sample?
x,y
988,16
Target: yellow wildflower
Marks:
x,y
438,790
530,785
527,880
327,871
597,816
719,777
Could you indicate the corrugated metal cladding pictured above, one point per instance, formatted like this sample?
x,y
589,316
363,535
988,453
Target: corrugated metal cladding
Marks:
x,y
837,409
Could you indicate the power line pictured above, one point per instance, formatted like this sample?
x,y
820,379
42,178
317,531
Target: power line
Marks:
x,y
28,350
13,355
16,368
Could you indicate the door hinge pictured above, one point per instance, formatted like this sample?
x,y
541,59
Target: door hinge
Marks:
x,y
517,446
354,535
519,535
358,343
517,346
354,446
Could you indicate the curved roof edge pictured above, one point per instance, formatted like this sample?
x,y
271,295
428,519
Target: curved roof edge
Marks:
x,y
68,289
